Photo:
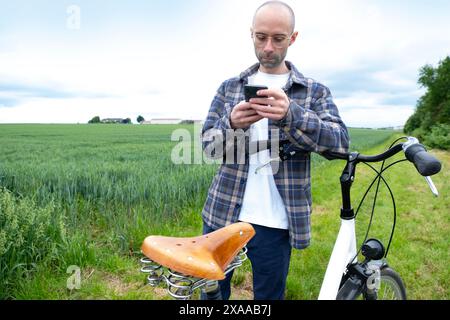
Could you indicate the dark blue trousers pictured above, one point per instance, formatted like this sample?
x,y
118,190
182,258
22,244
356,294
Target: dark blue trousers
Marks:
x,y
269,252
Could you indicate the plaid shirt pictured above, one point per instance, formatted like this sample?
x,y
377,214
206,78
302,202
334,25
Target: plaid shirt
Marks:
x,y
312,124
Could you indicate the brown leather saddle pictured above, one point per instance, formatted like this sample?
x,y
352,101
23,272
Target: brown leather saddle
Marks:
x,y
205,257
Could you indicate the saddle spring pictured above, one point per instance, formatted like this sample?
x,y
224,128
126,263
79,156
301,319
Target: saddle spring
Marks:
x,y
182,287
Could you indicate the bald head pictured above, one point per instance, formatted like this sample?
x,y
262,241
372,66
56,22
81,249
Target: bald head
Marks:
x,y
276,8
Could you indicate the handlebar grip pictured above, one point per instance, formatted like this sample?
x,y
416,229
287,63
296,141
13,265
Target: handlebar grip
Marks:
x,y
425,163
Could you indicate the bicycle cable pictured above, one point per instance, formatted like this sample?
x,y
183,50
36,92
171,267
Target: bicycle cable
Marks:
x,y
362,201
378,178
393,204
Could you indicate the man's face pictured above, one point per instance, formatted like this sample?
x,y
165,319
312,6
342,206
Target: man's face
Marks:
x,y
272,35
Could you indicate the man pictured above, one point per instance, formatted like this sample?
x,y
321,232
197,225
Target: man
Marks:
x,y
294,108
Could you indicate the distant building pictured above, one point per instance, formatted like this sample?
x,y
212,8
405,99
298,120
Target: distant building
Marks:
x,y
116,120
172,121
192,122
165,121
113,120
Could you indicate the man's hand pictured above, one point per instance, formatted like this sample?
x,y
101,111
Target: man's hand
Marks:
x,y
243,116
275,107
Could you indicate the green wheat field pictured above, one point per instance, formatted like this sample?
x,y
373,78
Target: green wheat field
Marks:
x,y
88,195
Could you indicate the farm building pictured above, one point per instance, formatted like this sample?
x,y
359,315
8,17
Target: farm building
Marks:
x,y
113,120
164,121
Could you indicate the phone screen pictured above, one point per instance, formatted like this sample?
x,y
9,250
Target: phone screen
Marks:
x,y
251,92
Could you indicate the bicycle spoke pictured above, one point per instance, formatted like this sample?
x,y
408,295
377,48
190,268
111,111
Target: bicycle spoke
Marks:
x,y
384,293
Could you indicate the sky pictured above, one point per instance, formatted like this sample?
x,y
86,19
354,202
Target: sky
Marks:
x,y
68,61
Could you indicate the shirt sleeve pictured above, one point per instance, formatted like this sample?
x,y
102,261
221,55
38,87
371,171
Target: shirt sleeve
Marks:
x,y
318,128
218,137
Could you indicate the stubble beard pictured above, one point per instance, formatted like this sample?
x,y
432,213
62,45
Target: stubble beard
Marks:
x,y
275,59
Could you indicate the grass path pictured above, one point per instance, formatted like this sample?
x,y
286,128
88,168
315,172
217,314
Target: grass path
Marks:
x,y
419,251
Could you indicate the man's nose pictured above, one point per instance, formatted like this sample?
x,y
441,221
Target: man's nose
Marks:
x,y
269,46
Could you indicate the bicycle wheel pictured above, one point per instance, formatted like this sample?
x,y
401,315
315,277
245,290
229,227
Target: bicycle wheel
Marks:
x,y
391,287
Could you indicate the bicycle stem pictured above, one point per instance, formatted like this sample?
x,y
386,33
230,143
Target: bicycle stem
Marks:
x,y
347,179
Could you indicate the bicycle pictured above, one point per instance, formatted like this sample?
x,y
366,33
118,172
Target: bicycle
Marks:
x,y
188,264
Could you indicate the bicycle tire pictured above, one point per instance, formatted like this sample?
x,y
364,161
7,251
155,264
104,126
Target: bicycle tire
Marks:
x,y
391,287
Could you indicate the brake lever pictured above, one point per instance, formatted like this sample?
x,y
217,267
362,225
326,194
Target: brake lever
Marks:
x,y
413,141
266,164
287,151
433,188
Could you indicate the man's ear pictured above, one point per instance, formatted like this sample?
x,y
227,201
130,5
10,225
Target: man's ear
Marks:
x,y
293,38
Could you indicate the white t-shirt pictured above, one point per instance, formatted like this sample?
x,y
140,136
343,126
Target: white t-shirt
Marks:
x,y
262,204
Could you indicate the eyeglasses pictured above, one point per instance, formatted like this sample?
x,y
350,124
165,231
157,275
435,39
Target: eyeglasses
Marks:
x,y
278,41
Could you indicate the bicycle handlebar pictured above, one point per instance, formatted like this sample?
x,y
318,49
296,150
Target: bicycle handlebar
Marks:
x,y
364,158
426,164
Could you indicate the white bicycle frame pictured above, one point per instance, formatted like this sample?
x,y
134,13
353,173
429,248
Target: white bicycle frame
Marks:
x,y
343,253
345,248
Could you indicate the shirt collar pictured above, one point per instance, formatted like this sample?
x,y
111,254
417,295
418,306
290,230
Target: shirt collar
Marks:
x,y
295,77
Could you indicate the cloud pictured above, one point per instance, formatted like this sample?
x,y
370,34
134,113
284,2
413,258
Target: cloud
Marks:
x,y
381,87
376,117
6,102
30,91
166,59
13,94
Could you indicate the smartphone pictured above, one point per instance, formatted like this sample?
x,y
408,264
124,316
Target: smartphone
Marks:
x,y
250,92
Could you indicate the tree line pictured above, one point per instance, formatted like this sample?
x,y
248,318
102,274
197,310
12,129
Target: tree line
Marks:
x,y
97,119
431,121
